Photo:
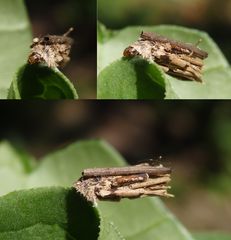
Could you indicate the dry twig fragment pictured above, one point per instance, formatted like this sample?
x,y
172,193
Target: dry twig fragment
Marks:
x,y
53,50
124,182
176,58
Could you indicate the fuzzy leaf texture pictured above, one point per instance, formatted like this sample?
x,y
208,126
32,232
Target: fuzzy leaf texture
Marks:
x,y
145,218
121,78
47,213
41,82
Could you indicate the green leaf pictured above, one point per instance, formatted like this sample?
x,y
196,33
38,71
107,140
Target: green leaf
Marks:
x,y
15,39
41,82
134,79
47,213
38,232
103,34
114,79
147,218
14,168
216,85
212,236
65,166
108,230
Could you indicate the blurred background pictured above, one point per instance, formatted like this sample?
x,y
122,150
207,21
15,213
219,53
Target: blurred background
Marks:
x,y
194,138
211,16
56,17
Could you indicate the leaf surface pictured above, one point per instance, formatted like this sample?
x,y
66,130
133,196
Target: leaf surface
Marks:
x,y
113,78
41,82
146,218
47,213
134,79
15,39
